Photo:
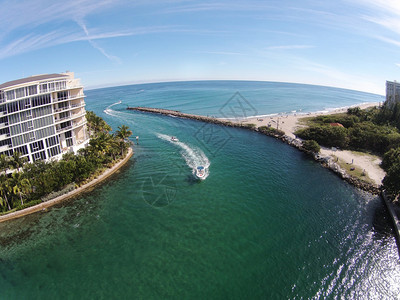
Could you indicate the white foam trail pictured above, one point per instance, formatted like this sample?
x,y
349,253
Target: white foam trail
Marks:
x,y
193,156
111,112
117,114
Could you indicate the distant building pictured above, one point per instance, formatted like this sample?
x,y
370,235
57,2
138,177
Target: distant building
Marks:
x,y
42,116
392,92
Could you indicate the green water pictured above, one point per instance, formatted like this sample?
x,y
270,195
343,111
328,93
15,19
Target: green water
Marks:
x,y
267,223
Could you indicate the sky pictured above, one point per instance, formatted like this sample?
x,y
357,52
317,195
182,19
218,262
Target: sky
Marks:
x,y
352,44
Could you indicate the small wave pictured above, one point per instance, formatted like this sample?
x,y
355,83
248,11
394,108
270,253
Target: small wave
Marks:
x,y
193,156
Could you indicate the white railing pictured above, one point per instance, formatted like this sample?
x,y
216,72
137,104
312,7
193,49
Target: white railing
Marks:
x,y
62,108
4,148
62,129
2,125
4,136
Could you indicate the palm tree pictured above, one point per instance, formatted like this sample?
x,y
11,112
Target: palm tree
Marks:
x,y
101,144
20,185
17,161
96,124
4,162
123,133
5,189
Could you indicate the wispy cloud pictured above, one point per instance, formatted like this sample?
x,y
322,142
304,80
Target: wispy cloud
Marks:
x,y
31,25
385,13
398,65
221,52
290,47
217,6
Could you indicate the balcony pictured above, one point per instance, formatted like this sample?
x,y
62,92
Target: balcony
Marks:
x,y
59,130
57,120
2,125
4,136
5,148
79,104
62,108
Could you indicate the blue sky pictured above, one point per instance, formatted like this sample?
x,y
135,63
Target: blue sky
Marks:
x,y
343,43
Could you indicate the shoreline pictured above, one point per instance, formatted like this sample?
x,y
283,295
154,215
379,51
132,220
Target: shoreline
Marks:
x,y
290,123
287,126
107,173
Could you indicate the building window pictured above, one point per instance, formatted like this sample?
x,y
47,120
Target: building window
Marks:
x,y
5,142
53,151
62,95
31,90
15,129
36,146
43,88
10,95
39,156
14,119
20,93
12,107
51,141
41,100
23,150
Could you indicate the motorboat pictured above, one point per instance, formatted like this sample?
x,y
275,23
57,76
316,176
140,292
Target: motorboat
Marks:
x,y
200,172
174,139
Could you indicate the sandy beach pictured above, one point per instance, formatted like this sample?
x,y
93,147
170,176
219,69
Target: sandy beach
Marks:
x,y
290,123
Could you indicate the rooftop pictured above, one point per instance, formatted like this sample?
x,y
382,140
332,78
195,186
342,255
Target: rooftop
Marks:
x,y
30,79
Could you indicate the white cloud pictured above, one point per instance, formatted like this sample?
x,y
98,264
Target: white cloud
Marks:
x,y
398,65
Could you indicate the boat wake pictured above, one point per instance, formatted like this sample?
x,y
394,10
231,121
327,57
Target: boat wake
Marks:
x,y
110,111
193,156
118,114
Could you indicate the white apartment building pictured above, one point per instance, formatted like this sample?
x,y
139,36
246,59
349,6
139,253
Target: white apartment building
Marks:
x,y
392,92
42,116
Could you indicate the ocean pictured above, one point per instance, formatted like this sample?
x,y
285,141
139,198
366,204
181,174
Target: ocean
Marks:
x,y
267,222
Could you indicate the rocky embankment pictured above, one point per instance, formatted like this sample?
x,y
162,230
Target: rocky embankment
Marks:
x,y
326,161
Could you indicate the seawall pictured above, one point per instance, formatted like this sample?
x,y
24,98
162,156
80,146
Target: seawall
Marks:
x,y
107,173
326,161
394,213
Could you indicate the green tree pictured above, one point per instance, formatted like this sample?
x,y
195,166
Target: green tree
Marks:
x,y
312,146
5,189
20,185
17,161
96,124
391,182
123,133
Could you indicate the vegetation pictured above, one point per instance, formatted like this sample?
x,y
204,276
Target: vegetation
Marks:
x,y
312,146
271,131
31,183
373,130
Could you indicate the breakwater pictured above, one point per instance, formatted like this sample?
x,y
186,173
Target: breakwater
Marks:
x,y
326,161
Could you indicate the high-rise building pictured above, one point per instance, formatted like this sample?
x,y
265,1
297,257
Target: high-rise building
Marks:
x,y
42,116
392,92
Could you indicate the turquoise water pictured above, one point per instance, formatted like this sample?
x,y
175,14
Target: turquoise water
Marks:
x,y
267,222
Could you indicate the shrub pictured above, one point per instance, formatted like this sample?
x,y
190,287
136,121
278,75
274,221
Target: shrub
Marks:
x,y
312,146
328,136
271,131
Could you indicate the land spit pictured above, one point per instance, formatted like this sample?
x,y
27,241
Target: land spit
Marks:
x,y
88,186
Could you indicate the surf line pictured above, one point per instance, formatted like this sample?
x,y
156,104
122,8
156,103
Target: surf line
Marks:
x,y
278,134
